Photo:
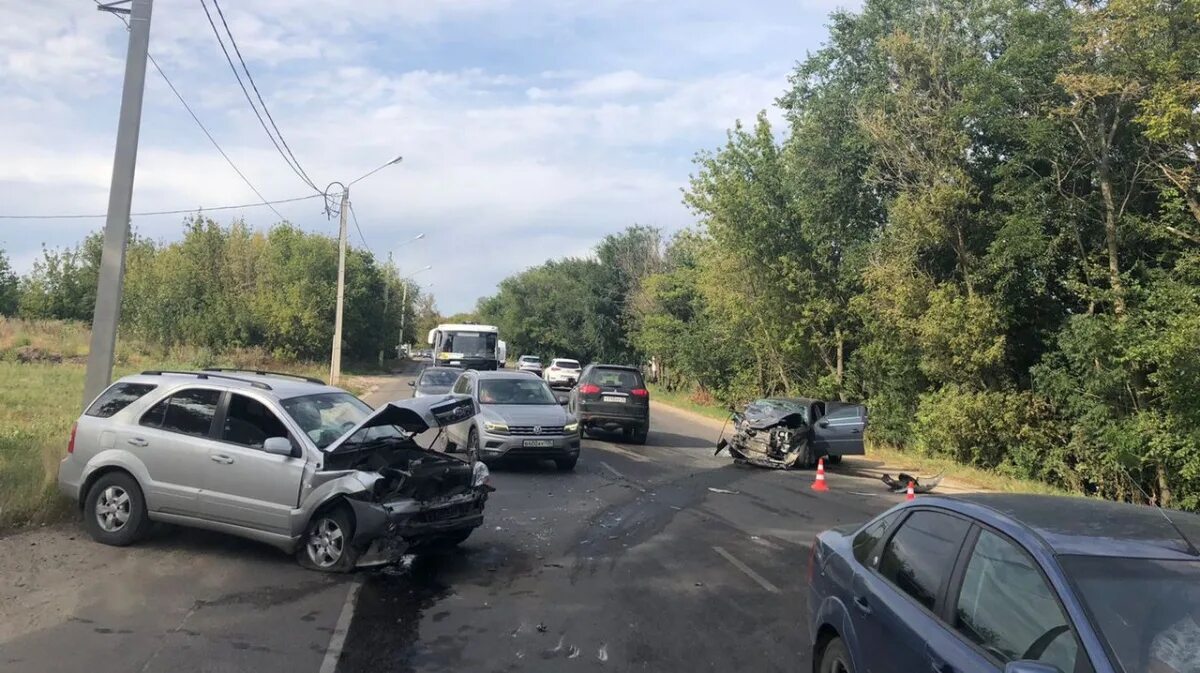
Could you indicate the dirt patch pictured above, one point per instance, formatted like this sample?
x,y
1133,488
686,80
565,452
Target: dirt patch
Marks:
x,y
31,354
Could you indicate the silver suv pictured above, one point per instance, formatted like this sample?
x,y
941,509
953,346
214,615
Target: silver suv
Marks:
x,y
289,461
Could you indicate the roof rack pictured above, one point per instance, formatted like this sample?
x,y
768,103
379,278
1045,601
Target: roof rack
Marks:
x,y
263,372
201,375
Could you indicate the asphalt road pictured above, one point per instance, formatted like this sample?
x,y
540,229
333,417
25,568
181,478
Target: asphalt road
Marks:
x,y
647,558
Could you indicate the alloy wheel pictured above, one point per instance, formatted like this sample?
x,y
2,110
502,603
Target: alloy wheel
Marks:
x,y
326,543
112,509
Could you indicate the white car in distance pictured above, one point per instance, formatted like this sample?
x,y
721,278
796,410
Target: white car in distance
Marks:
x,y
562,372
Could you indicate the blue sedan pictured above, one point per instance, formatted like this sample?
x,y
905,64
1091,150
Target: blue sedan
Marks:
x,y
1015,583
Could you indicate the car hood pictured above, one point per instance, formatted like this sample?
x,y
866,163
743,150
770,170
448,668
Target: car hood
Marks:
x,y
526,414
414,415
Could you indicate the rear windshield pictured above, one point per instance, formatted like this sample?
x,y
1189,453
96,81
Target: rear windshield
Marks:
x,y
117,397
1148,610
530,358
439,379
566,364
618,378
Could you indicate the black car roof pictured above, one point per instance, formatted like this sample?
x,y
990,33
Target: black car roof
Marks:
x,y
1093,527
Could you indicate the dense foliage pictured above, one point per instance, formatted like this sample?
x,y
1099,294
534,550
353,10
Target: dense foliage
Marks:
x,y
982,218
223,287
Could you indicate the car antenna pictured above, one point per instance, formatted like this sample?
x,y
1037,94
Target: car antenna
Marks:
x,y
1154,501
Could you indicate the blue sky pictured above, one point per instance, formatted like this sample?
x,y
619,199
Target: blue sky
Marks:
x,y
529,129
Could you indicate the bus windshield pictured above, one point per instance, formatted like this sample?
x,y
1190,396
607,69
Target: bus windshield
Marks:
x,y
470,344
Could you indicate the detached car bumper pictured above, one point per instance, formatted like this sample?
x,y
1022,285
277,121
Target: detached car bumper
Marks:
x,y
492,446
389,530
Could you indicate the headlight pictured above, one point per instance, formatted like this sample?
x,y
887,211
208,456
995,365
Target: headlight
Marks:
x,y
479,474
571,427
497,428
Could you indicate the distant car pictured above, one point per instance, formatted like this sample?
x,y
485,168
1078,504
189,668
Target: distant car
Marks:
x,y
788,432
289,461
1006,582
519,417
612,398
530,363
434,381
562,372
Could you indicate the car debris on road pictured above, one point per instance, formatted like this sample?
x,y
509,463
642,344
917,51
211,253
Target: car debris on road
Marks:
x,y
905,479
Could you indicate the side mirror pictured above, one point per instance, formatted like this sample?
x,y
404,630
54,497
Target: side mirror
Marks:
x,y
1027,666
279,446
823,423
412,384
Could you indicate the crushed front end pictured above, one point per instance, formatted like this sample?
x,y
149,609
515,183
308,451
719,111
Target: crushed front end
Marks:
x,y
780,442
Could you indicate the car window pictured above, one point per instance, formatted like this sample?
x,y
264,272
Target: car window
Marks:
x,y
921,554
437,379
463,385
189,412
615,378
117,397
868,538
249,422
1006,607
325,417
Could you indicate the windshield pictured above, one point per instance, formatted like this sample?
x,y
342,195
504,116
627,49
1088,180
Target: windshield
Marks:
x,y
441,378
515,391
784,406
1148,610
470,344
327,416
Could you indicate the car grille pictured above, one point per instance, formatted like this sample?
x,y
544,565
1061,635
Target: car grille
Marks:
x,y
445,513
528,430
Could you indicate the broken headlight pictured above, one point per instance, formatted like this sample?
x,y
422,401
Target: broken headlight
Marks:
x,y
479,474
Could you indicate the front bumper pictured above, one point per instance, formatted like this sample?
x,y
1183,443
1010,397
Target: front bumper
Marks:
x,y
389,529
494,446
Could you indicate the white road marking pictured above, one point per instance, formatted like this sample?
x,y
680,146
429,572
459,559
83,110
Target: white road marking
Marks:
x,y
612,469
749,572
334,652
617,448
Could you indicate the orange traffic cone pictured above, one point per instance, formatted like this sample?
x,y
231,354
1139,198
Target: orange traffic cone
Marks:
x,y
819,482
910,494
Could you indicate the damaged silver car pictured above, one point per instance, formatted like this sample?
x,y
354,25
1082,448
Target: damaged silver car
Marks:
x,y
289,461
786,433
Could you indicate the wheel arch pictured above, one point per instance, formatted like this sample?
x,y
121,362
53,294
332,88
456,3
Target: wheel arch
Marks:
x,y
825,634
95,474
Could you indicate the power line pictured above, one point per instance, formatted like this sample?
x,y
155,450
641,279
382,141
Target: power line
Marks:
x,y
270,204
229,59
258,95
203,128
360,234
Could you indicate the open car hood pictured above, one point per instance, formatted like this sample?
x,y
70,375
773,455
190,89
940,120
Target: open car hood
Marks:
x,y
415,415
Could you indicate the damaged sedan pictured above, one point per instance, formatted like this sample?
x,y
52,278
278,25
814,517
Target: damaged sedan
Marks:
x,y
787,433
281,459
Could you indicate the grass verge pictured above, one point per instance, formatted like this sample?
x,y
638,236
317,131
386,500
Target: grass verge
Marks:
x,y
893,458
42,367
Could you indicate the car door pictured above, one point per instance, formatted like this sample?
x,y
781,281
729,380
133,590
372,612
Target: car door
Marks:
x,y
840,431
897,601
171,440
244,485
1002,608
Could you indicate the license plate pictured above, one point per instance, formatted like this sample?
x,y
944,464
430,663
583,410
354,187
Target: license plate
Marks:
x,y
613,398
538,443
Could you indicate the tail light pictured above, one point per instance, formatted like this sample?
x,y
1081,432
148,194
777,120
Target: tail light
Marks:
x,y
589,389
812,561
640,392
71,442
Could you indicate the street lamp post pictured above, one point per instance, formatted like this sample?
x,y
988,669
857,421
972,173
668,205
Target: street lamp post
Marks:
x,y
404,305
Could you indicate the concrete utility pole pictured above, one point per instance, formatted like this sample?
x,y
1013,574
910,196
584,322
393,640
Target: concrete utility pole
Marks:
x,y
404,303
335,364
120,198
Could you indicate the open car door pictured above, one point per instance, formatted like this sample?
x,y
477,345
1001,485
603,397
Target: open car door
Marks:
x,y
840,431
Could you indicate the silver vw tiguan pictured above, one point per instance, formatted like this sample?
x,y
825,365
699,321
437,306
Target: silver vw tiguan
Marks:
x,y
289,461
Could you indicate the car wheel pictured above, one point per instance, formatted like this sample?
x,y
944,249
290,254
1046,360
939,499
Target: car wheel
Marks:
x,y
833,460
115,510
326,543
473,442
566,464
835,658
640,435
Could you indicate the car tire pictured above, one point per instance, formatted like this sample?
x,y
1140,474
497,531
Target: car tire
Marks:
x,y
326,543
833,460
114,512
640,435
835,658
472,447
566,464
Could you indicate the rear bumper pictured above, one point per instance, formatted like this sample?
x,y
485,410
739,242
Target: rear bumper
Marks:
x,y
610,419
70,477
561,379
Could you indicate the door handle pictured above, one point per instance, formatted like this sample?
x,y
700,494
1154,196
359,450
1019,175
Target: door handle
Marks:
x,y
936,663
137,441
863,606
856,431
222,458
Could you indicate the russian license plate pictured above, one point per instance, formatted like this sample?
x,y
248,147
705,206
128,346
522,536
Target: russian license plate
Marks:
x,y
613,398
538,443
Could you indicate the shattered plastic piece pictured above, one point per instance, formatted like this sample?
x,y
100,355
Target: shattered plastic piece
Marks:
x,y
723,490
602,654
901,483
573,652
542,628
